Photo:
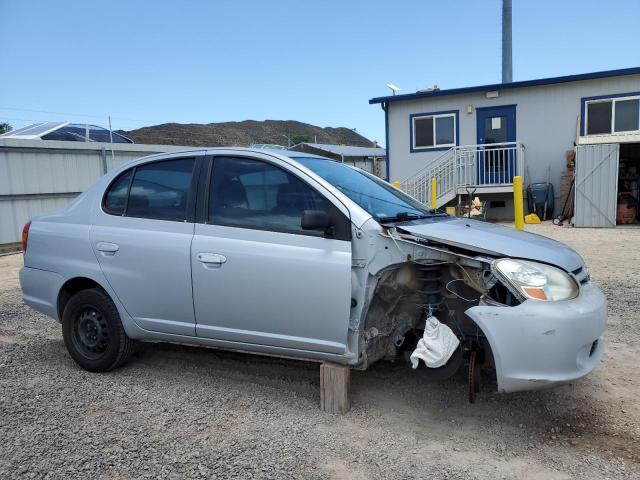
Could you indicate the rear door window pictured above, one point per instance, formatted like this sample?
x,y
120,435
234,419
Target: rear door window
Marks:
x,y
159,191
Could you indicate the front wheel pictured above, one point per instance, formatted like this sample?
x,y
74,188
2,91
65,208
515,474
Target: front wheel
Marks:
x,y
93,332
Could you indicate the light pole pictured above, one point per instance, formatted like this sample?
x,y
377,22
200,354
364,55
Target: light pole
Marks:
x,y
507,59
288,140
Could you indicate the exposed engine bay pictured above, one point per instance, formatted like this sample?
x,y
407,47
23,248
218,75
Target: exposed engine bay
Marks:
x,y
429,280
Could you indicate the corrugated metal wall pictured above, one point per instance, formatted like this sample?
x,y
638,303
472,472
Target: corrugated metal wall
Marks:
x,y
596,185
41,176
38,176
376,166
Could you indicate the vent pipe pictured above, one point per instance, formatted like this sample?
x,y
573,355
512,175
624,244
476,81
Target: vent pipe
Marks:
x,y
507,60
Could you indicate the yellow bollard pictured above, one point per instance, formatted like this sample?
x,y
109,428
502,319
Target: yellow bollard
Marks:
x,y
518,209
396,183
434,185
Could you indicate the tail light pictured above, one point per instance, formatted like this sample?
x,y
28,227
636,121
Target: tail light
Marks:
x,y
25,235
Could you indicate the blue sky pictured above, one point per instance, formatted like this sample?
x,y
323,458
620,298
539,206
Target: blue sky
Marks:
x,y
149,62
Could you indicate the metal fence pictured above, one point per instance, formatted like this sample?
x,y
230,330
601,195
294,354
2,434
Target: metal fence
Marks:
x,y
39,176
489,164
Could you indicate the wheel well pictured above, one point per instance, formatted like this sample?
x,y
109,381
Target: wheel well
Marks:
x,y
70,288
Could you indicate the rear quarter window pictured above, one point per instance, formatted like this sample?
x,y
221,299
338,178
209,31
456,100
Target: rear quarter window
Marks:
x,y
116,197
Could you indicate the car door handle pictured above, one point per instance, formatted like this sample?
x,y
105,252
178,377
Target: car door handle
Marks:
x,y
107,248
213,259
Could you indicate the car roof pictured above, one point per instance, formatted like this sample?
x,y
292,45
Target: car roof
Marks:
x,y
294,154
287,153
358,214
212,150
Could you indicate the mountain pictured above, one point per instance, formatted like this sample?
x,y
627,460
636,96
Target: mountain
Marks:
x,y
242,134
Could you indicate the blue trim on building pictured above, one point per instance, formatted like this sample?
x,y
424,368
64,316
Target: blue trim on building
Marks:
x,y
503,86
514,105
428,114
385,107
583,106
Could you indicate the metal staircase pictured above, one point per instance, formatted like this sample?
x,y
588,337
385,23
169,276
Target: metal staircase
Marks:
x,y
489,167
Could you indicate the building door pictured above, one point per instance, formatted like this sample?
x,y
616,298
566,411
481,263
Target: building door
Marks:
x,y
497,130
596,185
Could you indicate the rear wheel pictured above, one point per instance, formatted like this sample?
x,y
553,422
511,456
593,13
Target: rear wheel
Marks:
x,y
93,332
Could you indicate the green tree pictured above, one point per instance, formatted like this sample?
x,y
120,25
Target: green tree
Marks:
x,y
5,127
302,138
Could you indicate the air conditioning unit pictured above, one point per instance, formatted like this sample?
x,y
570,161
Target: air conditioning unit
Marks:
x,y
435,88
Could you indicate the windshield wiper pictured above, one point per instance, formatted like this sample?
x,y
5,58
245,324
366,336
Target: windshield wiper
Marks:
x,y
405,217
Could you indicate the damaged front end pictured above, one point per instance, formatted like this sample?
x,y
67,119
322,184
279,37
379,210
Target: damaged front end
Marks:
x,y
407,280
400,279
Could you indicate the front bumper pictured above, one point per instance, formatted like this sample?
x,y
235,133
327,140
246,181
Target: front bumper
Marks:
x,y
540,344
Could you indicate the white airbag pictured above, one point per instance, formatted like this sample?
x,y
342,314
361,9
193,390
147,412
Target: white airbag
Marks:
x,y
436,345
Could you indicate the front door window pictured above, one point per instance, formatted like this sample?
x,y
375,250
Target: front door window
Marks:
x,y
252,194
495,129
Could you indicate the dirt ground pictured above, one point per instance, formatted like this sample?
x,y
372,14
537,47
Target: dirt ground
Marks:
x,y
180,412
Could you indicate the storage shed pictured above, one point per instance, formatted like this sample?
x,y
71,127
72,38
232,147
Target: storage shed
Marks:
x,y
607,182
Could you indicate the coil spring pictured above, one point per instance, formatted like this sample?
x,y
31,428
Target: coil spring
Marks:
x,y
432,287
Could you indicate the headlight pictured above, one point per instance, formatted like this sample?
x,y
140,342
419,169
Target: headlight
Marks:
x,y
537,280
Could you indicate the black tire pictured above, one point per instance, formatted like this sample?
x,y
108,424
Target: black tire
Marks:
x,y
93,332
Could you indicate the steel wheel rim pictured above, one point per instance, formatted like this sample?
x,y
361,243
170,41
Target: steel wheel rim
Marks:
x,y
90,333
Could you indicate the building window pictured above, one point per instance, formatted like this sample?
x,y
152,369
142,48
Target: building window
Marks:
x,y
435,130
627,115
613,115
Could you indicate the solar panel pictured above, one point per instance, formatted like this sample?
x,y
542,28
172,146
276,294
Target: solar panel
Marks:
x,y
34,129
70,132
77,132
19,130
43,127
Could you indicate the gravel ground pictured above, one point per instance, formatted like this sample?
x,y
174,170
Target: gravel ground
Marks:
x,y
180,412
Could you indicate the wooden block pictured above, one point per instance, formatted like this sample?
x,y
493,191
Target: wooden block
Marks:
x,y
335,383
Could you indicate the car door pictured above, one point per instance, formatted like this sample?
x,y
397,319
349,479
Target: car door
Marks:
x,y
258,277
142,237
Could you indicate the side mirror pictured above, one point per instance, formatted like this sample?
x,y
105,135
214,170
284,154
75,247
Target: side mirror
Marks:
x,y
316,220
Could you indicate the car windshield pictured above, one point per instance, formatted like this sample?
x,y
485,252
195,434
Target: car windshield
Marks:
x,y
381,200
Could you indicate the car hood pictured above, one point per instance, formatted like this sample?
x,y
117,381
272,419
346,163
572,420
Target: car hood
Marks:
x,y
494,240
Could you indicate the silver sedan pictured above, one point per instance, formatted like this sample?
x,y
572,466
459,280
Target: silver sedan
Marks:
x,y
287,254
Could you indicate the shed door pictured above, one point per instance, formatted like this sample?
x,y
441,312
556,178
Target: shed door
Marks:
x,y
596,185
